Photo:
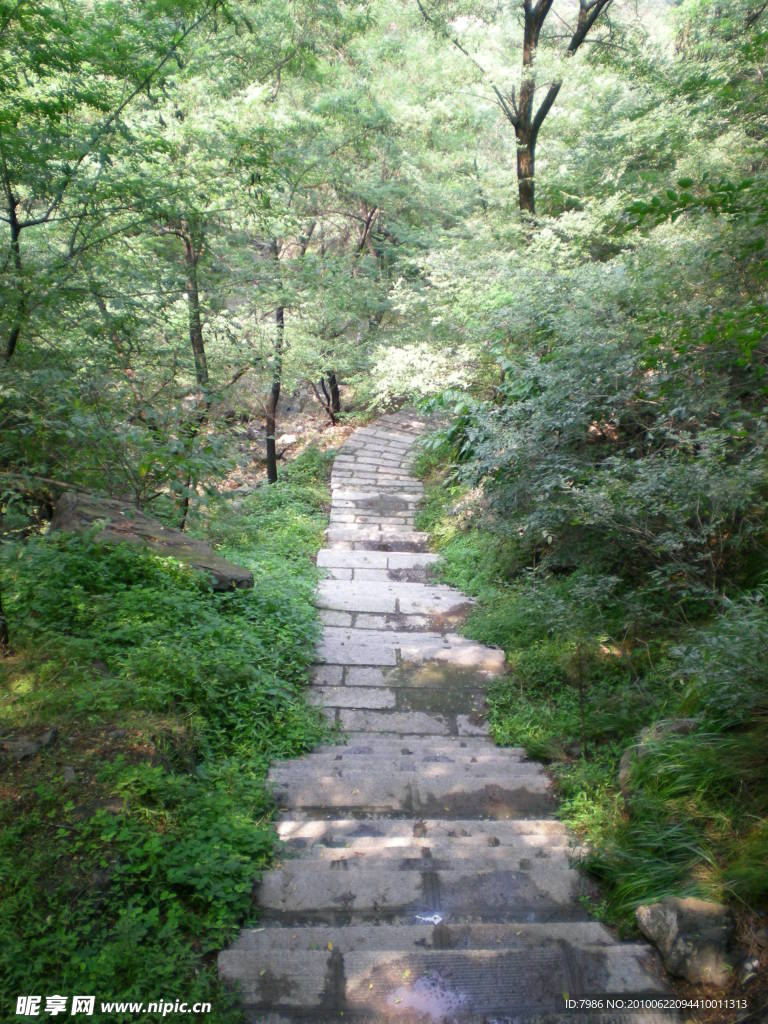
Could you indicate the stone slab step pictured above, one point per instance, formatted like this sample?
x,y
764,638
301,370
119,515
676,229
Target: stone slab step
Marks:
x,y
486,849
343,646
437,857
368,559
408,724
369,487
444,619
363,743
437,776
361,697
376,538
398,986
493,796
422,675
392,756
418,937
389,597
340,831
299,893
412,494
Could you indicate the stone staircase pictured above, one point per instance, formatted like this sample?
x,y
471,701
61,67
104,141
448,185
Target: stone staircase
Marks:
x,y
424,878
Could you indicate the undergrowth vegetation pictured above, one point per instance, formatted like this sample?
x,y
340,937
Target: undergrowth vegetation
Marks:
x,y
656,732
131,843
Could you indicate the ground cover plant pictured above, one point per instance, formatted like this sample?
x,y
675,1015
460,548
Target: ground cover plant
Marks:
x,y
131,844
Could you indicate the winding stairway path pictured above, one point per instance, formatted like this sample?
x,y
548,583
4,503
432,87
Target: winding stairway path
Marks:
x,y
424,878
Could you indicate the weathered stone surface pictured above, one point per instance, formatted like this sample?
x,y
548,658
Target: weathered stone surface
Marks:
x,y
329,617
406,598
353,697
455,985
341,831
404,723
122,522
418,937
693,937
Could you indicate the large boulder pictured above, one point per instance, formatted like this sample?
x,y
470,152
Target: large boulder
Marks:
x,y
693,936
122,522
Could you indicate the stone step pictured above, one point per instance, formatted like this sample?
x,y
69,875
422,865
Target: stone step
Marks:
x,y
418,574
407,724
418,937
392,754
389,597
377,538
436,776
344,646
392,985
300,891
341,831
495,797
462,848
426,746
368,559
412,494
377,763
407,489
402,701
450,855
359,697
424,675
448,703
392,620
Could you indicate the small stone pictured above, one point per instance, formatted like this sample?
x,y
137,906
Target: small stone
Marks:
x,y
693,937
748,970
16,748
68,774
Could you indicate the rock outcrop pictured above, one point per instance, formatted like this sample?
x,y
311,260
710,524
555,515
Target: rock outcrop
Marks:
x,y
122,522
693,937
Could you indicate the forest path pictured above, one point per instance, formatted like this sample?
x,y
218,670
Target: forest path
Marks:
x,y
424,878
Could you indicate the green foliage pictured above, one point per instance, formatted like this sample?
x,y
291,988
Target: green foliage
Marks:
x,y
580,690
170,702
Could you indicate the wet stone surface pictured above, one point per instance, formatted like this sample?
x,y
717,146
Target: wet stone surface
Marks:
x,y
424,878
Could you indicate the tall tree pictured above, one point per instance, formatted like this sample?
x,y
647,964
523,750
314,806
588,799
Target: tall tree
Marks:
x,y
518,103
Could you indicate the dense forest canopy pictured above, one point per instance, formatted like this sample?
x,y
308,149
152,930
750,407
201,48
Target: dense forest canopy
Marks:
x,y
544,220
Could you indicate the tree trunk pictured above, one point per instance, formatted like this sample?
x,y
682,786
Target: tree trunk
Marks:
x,y
520,112
333,387
5,640
191,257
277,377
15,254
526,186
274,395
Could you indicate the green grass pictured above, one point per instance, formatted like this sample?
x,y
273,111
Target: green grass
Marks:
x,y
130,846
582,686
